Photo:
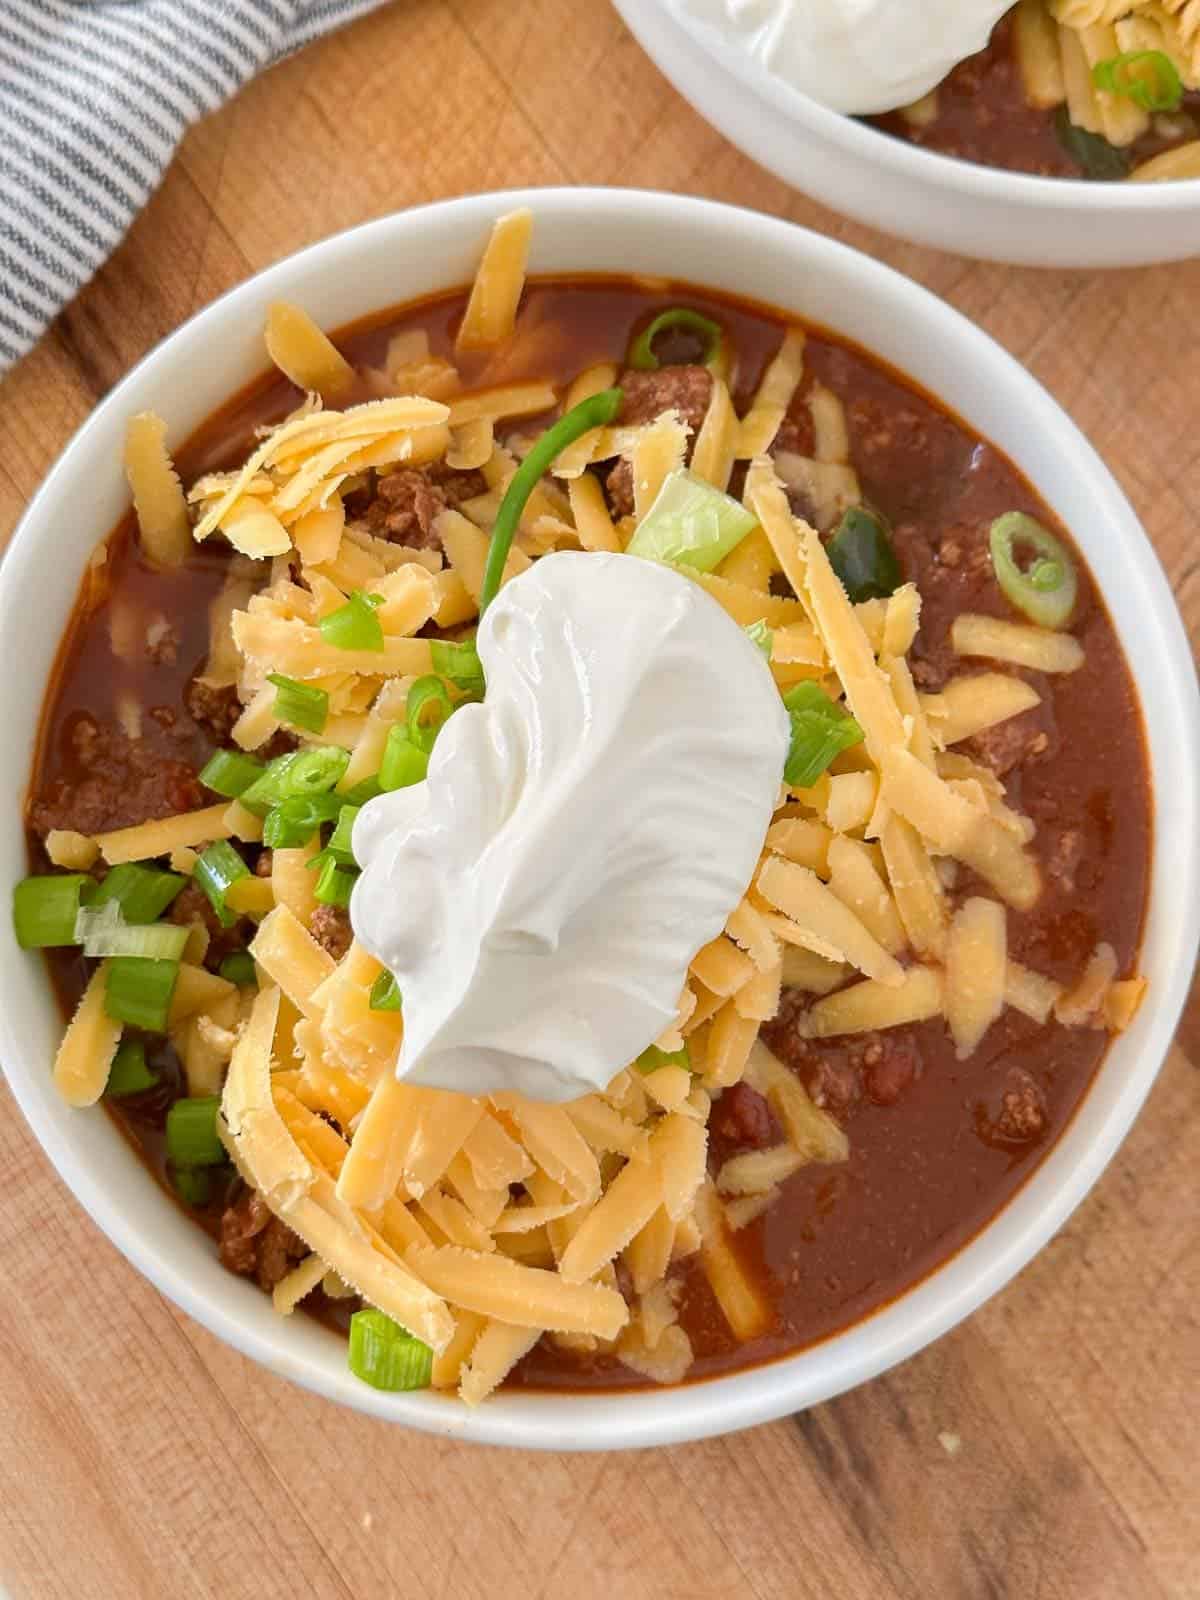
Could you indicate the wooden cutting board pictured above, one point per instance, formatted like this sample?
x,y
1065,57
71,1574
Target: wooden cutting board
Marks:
x,y
1048,1450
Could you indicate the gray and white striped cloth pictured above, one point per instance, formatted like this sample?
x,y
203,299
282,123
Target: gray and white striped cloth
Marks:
x,y
94,97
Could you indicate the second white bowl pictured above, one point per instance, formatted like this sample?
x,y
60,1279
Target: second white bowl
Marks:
x,y
898,187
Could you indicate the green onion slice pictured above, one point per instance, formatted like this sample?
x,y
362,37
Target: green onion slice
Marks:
x,y
192,1184
460,664
129,1073
427,706
299,704
334,884
138,990
192,1132
46,908
360,793
691,524
758,633
239,968
1097,158
861,554
218,867
385,993
293,822
403,764
821,730
103,931
340,845
1147,77
354,626
231,772
385,1355
652,1058
641,352
143,893
593,412
310,772
1046,588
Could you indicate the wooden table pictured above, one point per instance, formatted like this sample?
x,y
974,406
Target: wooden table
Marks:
x,y
1048,1450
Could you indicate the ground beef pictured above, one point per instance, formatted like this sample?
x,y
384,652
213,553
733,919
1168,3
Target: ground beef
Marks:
x,y
408,502
840,1074
742,1118
890,1062
330,927
686,389
796,435
1011,744
262,867
190,905
115,782
255,1244
1016,1114
215,710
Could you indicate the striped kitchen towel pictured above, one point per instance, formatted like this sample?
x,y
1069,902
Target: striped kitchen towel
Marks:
x,y
94,97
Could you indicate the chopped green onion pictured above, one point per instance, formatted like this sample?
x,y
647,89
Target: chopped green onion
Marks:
x,y
1098,158
192,1184
310,772
293,822
340,844
1046,589
691,524
641,352
239,968
143,893
129,1073
759,634
861,554
192,1132
218,867
821,730
300,772
46,908
299,704
385,993
403,764
459,663
593,412
138,990
230,772
103,931
652,1058
428,705
334,884
385,1355
354,626
1147,77
368,789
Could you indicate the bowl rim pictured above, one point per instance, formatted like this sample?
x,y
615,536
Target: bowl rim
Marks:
x,y
964,1280
864,142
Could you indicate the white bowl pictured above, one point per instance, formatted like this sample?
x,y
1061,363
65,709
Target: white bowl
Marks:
x,y
899,187
399,258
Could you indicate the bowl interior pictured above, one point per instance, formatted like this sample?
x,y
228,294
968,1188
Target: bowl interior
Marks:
x,y
419,252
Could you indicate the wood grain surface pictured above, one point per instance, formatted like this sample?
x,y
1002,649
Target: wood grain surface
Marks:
x,y
1047,1450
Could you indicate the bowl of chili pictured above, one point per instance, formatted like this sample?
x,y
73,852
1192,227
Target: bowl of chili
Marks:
x,y
605,254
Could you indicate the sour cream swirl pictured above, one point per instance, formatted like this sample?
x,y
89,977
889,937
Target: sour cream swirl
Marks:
x,y
856,56
581,833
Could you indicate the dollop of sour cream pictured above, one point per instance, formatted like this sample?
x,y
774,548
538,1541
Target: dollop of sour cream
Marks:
x,y
856,56
580,834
